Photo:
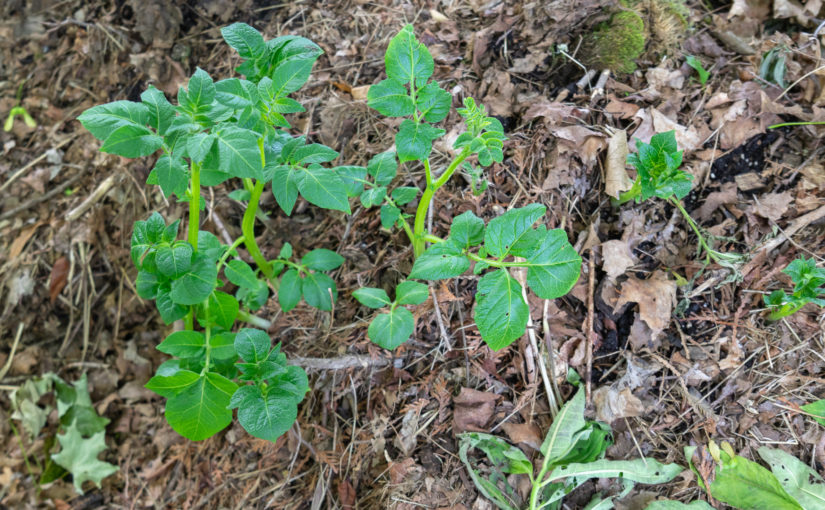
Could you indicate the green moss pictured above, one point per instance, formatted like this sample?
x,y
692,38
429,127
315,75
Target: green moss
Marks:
x,y
617,43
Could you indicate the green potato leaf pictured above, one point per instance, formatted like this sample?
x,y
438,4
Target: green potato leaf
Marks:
x,y
391,99
161,111
248,42
404,194
252,345
290,290
414,141
411,293
238,152
372,297
223,309
284,186
194,286
441,260
408,60
183,344
554,266
467,230
389,330
319,290
500,313
322,260
241,274
171,385
175,260
172,175
383,167
201,410
322,187
102,120
433,102
506,230
132,141
266,416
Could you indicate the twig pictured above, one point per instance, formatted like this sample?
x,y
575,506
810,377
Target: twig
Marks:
x,y
28,204
795,226
7,366
33,162
551,353
96,195
445,335
531,334
591,282
341,363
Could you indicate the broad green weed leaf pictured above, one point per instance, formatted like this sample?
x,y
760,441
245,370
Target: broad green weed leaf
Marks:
x,y
289,292
169,386
264,416
196,284
322,187
433,102
132,141
161,111
817,409
505,497
383,167
391,99
508,458
373,196
676,505
172,175
239,273
284,187
183,344
372,297
389,215
441,260
317,289
223,309
239,153
79,457
408,60
248,42
200,411
415,141
504,231
746,485
411,293
102,120
252,345
404,194
389,330
500,314
560,439
648,471
175,260
554,267
322,259
795,477
467,229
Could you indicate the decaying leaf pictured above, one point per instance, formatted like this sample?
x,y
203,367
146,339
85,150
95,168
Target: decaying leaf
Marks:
x,y
616,179
617,258
473,410
655,296
612,404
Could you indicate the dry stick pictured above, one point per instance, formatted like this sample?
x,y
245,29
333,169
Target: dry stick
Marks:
x,y
531,334
33,162
341,363
795,226
96,195
445,336
7,366
551,354
28,204
591,282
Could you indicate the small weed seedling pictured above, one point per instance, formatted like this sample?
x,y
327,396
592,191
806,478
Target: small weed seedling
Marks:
x,y
572,452
83,430
509,241
696,64
741,483
808,287
658,175
230,129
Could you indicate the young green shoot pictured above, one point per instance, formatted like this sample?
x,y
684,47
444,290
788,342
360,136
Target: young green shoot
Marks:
x,y
809,287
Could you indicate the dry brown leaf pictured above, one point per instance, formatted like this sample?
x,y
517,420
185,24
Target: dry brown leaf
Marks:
x,y
20,241
616,258
773,205
726,195
473,410
655,296
612,404
525,433
57,280
346,495
616,179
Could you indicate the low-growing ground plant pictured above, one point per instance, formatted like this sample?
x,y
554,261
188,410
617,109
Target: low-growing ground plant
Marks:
x,y
509,241
572,453
809,287
83,430
230,130
658,174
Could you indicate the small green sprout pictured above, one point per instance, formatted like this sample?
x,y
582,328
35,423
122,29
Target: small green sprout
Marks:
x,y
696,64
18,110
808,288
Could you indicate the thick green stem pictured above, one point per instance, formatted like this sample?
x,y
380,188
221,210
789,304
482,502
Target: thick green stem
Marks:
x,y
248,229
419,243
538,484
194,225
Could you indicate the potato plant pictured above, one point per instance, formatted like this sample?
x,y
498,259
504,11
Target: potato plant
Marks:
x,y
230,130
510,241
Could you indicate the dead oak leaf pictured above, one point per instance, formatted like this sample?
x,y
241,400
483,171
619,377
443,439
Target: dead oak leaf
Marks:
x,y
773,205
617,258
655,296
473,410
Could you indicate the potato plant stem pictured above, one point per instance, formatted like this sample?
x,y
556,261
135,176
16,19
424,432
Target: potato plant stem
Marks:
x,y
419,241
248,230
708,250
194,225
